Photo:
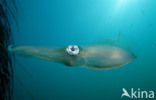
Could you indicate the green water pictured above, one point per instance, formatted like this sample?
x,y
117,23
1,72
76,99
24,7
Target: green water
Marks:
x,y
62,22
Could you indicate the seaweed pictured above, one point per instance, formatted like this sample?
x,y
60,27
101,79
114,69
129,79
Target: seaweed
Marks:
x,y
6,60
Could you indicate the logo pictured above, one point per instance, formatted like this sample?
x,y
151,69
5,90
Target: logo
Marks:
x,y
137,93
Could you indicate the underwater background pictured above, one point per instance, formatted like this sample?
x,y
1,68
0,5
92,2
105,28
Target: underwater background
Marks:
x,y
58,23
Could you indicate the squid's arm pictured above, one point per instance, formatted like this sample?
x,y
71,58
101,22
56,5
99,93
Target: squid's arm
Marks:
x,y
49,54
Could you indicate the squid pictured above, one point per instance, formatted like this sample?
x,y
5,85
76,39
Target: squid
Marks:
x,y
91,56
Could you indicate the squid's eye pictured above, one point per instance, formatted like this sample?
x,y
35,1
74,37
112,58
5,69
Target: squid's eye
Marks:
x,y
72,50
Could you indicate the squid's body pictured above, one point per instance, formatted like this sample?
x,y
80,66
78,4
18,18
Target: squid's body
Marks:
x,y
95,57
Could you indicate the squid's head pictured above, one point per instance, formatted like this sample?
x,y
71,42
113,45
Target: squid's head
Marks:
x,y
68,55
